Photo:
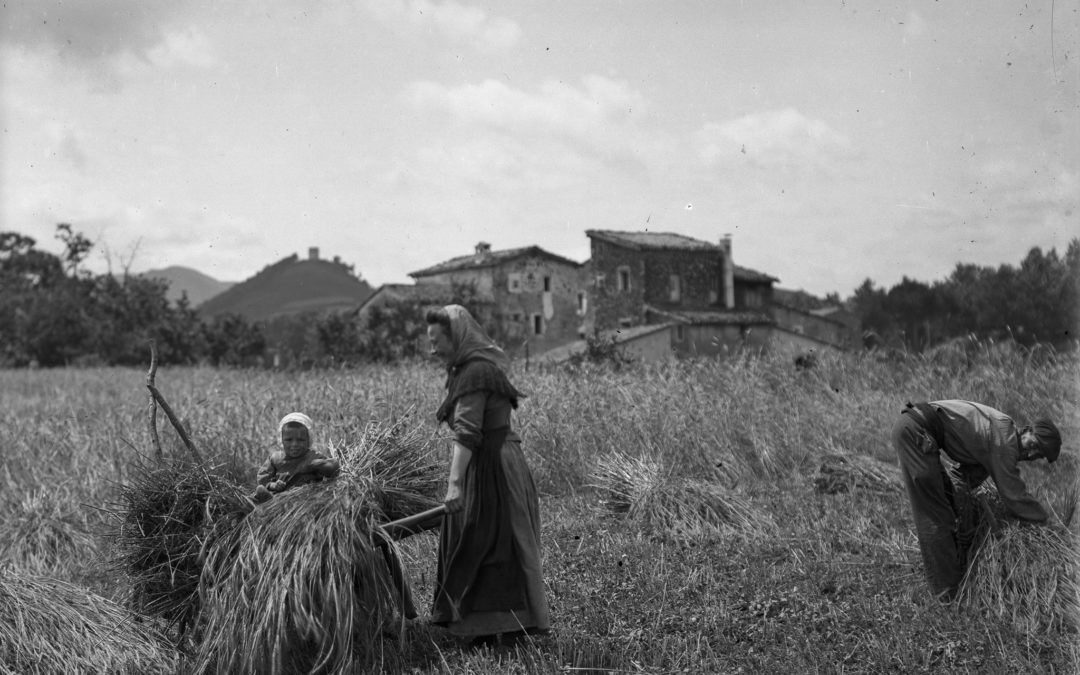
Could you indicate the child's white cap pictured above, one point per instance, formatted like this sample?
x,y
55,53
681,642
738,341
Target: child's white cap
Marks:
x,y
297,417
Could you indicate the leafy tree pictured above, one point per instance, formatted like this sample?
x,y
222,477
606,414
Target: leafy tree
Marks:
x,y
231,340
1038,301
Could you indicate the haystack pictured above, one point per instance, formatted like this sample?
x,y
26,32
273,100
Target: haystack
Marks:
x,y
306,583
641,491
40,536
1027,575
845,471
169,514
48,626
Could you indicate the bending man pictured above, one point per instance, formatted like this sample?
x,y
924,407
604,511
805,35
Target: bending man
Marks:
x,y
985,442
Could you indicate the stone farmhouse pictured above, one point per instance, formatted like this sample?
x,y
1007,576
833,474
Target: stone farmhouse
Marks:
x,y
538,299
660,294
656,294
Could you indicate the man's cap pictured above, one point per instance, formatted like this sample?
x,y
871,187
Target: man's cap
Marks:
x,y
1049,438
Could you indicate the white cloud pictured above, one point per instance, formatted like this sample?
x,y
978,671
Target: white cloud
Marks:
x,y
774,139
183,47
460,24
601,114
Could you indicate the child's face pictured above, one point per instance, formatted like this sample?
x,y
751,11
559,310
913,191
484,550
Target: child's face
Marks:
x,y
295,441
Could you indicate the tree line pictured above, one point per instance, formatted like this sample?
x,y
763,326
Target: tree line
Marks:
x,y
1037,301
55,313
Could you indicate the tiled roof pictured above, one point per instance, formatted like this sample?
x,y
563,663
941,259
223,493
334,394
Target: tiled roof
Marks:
x,y
747,274
489,259
713,317
653,240
670,241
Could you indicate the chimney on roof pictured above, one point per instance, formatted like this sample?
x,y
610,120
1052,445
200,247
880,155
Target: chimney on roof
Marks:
x,y
727,271
483,250
313,253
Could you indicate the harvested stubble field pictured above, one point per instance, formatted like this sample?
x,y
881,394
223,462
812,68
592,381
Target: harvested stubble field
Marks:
x,y
734,516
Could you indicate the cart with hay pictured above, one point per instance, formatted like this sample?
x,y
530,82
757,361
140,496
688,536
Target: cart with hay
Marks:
x,y
307,582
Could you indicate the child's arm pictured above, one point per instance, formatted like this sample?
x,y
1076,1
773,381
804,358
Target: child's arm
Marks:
x,y
267,473
325,467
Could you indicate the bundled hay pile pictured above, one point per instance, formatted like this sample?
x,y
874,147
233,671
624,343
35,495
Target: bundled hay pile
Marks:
x,y
1028,575
169,514
843,472
40,536
304,585
49,626
640,490
298,583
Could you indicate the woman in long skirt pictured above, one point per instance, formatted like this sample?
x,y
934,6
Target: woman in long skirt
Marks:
x,y
490,583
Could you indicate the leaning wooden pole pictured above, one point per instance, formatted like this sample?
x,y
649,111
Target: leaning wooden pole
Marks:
x,y
160,400
153,402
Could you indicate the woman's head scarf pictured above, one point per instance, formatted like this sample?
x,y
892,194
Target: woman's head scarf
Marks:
x,y
299,418
470,341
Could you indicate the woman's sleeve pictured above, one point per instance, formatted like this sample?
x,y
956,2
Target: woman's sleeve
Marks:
x,y
467,421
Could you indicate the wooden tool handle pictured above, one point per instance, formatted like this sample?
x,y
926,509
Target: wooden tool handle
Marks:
x,y
396,529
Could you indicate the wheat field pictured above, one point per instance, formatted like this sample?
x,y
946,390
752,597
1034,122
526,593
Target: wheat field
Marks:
x,y
722,516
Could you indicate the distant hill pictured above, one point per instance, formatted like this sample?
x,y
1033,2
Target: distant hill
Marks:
x,y
199,287
291,286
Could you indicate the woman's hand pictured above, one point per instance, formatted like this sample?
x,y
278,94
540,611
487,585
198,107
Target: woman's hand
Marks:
x,y
454,499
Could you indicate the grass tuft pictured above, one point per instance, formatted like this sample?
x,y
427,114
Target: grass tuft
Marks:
x,y
49,626
1025,574
845,471
665,504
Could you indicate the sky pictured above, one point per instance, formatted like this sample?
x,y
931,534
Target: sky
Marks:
x,y
835,141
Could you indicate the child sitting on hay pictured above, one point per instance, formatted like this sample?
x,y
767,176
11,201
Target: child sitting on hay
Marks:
x,y
296,463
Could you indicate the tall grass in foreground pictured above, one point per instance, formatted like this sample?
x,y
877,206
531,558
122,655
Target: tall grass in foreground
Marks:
x,y
837,585
49,626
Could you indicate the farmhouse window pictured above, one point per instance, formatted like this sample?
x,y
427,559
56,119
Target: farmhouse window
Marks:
x,y
513,282
674,288
538,324
714,290
600,280
547,284
680,334
582,302
624,278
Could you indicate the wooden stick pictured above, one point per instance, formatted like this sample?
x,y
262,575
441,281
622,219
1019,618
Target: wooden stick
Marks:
x,y
153,402
169,413
403,527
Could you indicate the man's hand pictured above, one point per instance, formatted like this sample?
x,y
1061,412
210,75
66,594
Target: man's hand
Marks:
x,y
973,475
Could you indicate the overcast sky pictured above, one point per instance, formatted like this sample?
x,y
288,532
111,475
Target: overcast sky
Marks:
x,y
835,140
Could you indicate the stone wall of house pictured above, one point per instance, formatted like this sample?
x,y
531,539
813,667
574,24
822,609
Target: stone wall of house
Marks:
x,y
534,300
615,305
819,328
541,302
753,295
698,274
713,340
